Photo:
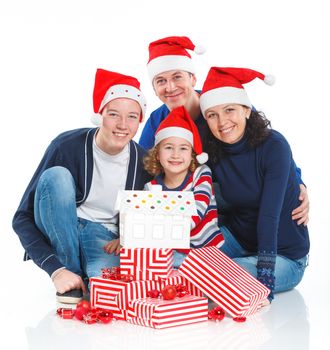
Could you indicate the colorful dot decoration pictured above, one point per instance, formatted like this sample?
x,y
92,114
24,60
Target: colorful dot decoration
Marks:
x,y
151,201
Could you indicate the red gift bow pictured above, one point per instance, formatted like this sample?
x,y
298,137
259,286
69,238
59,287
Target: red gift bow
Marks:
x,y
114,273
216,314
181,291
93,315
65,313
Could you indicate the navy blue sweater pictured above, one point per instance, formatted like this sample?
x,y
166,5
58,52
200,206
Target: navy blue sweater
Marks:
x,y
74,151
261,187
147,138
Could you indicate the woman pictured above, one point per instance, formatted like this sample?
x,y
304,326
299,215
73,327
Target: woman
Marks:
x,y
254,168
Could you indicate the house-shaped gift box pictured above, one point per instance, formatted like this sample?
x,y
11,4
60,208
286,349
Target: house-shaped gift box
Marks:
x,y
155,219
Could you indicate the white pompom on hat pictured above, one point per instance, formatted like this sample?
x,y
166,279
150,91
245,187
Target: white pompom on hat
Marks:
x,y
224,85
111,85
171,53
178,123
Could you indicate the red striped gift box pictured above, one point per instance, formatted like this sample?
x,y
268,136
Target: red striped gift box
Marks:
x,y
146,263
114,295
175,278
224,281
159,313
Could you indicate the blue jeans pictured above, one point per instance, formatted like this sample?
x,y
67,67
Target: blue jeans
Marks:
x,y
78,243
288,272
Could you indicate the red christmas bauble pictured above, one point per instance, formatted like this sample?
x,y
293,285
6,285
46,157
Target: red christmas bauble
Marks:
x,y
85,304
169,292
80,312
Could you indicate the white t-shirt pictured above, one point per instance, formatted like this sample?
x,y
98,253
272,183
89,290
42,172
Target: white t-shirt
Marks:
x,y
109,176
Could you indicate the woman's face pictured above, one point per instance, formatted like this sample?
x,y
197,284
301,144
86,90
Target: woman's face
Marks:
x,y
227,122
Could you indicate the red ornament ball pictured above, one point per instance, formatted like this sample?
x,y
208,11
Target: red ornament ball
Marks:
x,y
85,304
169,292
80,312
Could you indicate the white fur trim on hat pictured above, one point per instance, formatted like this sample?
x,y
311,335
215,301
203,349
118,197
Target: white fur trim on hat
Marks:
x,y
170,62
199,49
202,158
174,131
269,79
125,91
223,95
96,119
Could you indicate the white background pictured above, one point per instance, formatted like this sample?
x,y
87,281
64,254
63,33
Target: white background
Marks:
x,y
49,54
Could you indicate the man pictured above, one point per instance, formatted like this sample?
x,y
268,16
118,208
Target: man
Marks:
x,y
172,75
67,221
173,79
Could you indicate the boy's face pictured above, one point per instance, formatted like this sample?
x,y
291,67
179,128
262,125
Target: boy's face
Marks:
x,y
174,87
120,122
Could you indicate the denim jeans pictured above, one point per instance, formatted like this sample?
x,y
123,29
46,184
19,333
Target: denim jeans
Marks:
x,y
78,243
288,272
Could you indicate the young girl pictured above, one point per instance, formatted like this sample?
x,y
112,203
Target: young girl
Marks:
x,y
174,163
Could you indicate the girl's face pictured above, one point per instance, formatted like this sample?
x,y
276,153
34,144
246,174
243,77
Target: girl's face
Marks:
x,y
175,155
227,122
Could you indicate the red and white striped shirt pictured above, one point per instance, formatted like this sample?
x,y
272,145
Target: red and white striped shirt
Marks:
x,y
204,226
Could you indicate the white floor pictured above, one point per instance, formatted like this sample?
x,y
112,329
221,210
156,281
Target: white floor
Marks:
x,y
295,320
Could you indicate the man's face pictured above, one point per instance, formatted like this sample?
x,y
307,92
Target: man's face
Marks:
x,y
120,122
175,88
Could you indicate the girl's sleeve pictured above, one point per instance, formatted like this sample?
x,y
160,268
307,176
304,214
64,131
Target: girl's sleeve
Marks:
x,y
202,192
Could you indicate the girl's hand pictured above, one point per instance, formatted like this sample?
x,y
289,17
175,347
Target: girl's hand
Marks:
x,y
113,247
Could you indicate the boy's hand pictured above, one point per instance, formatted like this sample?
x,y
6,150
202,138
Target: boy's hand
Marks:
x,y
65,280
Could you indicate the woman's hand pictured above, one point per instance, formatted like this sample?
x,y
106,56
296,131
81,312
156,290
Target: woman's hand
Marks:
x,y
301,213
113,247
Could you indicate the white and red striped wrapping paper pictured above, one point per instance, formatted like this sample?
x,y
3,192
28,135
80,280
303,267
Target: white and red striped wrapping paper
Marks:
x,y
146,263
224,281
159,313
114,295
175,278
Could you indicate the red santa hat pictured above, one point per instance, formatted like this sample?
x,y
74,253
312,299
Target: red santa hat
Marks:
x,y
178,123
171,54
224,85
109,86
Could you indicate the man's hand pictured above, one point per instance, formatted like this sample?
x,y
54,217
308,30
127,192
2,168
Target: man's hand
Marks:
x,y
65,280
113,247
301,213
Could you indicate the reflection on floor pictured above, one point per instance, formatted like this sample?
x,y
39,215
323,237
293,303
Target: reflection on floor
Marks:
x,y
259,331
